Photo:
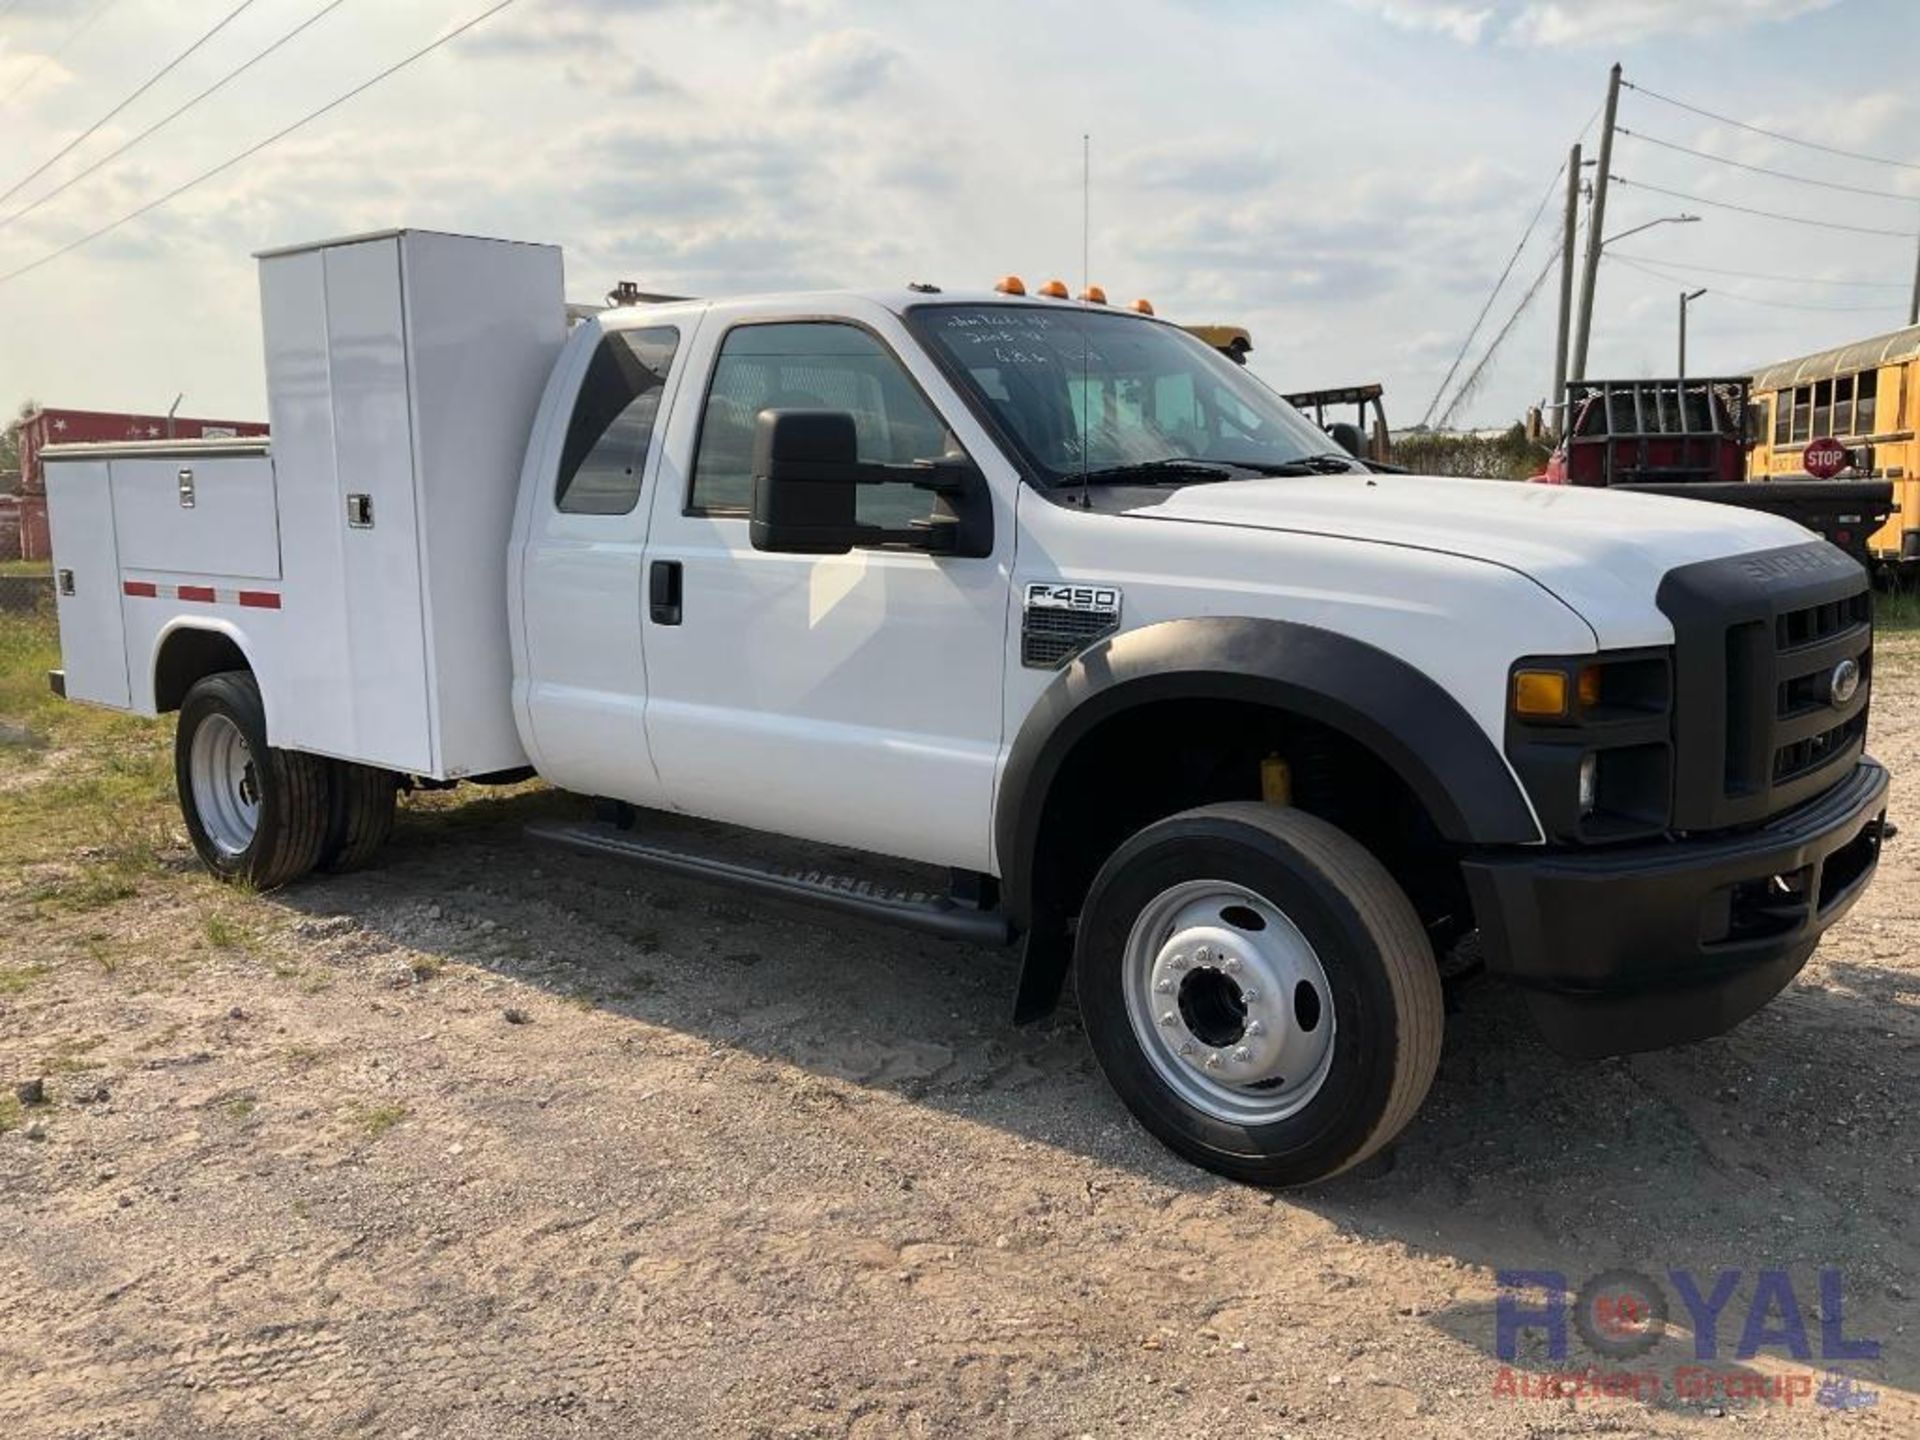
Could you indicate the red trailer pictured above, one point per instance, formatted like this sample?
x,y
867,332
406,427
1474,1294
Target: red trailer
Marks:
x,y
78,427
82,427
1689,438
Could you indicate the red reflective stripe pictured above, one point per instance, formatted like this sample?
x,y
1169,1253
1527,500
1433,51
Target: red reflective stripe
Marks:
x,y
260,599
144,588
197,592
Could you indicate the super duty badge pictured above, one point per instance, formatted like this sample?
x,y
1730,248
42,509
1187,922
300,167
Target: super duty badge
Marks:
x,y
1059,620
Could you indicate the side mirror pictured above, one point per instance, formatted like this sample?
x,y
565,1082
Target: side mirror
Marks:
x,y
1347,436
806,473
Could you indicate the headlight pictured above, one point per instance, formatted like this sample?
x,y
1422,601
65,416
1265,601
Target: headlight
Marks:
x,y
1591,738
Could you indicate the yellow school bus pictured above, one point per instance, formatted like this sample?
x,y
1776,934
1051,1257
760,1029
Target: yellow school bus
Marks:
x,y
1865,395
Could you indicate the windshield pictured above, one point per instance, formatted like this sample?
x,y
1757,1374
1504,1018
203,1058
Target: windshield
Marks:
x,y
1082,391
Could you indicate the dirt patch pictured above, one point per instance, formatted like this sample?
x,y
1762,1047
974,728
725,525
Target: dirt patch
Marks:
x,y
493,1141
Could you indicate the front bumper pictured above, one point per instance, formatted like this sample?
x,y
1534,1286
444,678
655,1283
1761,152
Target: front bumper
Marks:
x,y
1645,946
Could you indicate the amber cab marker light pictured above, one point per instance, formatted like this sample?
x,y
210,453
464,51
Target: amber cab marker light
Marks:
x,y
1094,295
1144,307
1053,290
1010,285
1589,687
1540,694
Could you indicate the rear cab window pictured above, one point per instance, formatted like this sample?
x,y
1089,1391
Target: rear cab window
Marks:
x,y
604,458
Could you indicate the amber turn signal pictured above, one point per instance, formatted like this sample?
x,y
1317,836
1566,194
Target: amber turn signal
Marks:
x,y
1053,290
1540,694
1010,285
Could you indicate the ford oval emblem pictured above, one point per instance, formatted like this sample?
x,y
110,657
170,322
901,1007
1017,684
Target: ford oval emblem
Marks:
x,y
1844,683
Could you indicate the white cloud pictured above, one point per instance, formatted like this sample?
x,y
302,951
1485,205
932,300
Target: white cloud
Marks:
x,y
835,69
1556,23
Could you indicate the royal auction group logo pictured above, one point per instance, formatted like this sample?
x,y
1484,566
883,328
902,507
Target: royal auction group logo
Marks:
x,y
1623,1315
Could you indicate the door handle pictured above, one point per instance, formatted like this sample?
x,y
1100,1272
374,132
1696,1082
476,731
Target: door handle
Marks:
x,y
663,592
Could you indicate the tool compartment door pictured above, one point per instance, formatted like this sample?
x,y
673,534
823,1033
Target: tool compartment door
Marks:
x,y
93,638
198,515
375,507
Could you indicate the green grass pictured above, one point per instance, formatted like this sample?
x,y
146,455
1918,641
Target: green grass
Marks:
x,y
26,567
87,790
376,1120
1897,610
16,978
9,1112
225,933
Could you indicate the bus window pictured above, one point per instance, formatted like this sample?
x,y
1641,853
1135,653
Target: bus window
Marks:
x,y
1802,414
1822,408
1863,417
1843,405
1782,403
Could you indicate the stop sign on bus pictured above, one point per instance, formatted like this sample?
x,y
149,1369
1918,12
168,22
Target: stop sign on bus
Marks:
x,y
1825,458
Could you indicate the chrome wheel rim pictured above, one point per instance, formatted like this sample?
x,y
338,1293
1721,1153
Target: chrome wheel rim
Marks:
x,y
1229,1002
226,789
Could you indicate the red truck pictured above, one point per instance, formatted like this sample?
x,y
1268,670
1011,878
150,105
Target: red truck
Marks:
x,y
1690,438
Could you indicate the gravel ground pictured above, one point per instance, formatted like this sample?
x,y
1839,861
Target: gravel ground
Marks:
x,y
496,1142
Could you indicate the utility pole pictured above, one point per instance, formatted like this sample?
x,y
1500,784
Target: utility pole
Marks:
x,y
1595,221
1556,397
1686,299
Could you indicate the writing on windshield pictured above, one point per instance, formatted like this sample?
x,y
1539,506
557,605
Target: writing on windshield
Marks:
x,y
1082,390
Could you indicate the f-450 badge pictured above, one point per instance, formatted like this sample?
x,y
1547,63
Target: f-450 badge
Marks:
x,y
1059,620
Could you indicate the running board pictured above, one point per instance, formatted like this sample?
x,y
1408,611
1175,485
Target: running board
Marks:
x,y
915,910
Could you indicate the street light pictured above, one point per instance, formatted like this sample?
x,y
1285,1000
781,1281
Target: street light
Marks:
x,y
1681,219
1687,297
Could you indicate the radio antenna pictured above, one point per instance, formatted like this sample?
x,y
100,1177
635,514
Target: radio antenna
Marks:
x,y
1086,344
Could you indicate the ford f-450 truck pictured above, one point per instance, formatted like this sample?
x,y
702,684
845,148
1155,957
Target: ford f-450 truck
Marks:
x,y
1039,596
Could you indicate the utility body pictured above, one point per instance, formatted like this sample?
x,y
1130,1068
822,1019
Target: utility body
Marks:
x,y
1088,638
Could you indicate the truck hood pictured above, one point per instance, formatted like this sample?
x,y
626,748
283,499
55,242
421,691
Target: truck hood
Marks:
x,y
1602,553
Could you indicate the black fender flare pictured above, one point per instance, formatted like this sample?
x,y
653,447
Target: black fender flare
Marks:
x,y
1419,730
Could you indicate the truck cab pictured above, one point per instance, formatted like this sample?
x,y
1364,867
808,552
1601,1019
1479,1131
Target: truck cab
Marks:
x,y
1039,602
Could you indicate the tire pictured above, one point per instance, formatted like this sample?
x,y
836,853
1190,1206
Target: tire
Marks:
x,y
1318,1047
359,815
256,815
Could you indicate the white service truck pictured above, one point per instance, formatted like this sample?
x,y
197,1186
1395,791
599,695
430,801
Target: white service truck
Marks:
x,y
1044,593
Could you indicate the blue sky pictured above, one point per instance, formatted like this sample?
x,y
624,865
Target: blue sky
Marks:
x,y
1346,177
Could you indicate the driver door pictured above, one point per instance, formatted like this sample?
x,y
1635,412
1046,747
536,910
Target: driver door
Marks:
x,y
849,699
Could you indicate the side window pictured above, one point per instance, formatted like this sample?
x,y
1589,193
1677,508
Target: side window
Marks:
x,y
814,365
1802,414
1863,422
1782,403
606,447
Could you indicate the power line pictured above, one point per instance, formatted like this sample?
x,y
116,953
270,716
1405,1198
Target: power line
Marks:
x,y
1681,279
1759,275
107,159
1770,134
1763,170
86,23
257,147
1494,293
1500,283
1765,214
1472,382
151,81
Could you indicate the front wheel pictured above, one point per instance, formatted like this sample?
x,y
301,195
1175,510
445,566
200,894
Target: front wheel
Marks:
x,y
255,814
1259,992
